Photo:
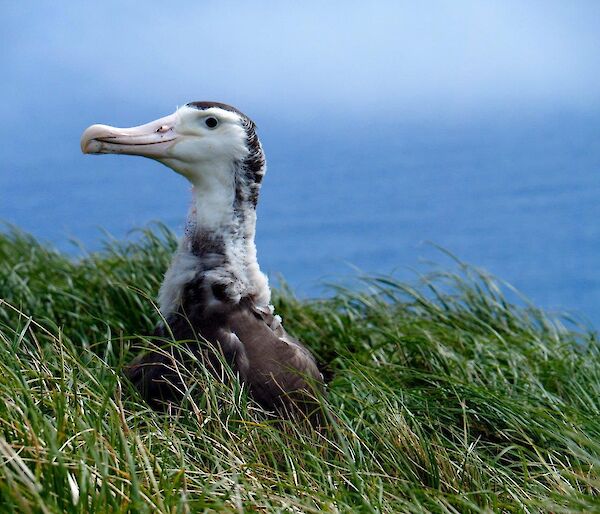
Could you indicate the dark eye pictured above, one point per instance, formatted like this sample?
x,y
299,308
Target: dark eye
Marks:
x,y
211,122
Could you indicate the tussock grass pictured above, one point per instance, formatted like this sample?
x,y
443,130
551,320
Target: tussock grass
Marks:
x,y
445,397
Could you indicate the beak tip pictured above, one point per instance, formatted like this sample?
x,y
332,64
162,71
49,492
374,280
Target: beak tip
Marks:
x,y
90,146
88,143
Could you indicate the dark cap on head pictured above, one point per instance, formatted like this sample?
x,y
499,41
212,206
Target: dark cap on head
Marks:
x,y
201,106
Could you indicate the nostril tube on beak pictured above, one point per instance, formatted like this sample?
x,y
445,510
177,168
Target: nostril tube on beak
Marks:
x,y
162,128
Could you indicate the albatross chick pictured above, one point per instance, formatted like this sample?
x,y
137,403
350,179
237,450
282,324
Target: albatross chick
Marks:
x,y
214,291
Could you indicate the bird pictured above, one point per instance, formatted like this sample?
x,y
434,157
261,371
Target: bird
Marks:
x,y
214,295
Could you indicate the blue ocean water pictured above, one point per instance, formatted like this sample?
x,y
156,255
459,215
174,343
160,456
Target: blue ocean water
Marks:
x,y
516,196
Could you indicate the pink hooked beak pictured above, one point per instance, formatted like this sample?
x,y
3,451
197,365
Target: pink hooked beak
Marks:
x,y
150,140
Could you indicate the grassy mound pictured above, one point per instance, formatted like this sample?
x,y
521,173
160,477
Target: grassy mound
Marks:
x,y
445,398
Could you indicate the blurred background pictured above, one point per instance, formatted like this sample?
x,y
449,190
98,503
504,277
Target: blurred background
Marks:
x,y
471,124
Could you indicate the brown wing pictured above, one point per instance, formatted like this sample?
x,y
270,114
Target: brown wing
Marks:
x,y
277,369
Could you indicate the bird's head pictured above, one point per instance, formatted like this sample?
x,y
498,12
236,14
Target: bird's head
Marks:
x,y
209,143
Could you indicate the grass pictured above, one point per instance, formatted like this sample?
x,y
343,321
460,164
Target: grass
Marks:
x,y
445,398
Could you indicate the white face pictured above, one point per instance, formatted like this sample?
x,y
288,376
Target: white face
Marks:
x,y
199,144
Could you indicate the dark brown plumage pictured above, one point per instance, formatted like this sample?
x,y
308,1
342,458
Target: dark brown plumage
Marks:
x,y
279,372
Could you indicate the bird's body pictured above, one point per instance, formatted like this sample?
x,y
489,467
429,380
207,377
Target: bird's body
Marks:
x,y
214,291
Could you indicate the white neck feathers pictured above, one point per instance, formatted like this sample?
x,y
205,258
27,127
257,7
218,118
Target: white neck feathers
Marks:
x,y
218,246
